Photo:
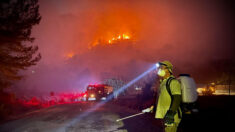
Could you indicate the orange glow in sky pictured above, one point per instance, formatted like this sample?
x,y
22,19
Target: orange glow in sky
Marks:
x,y
70,55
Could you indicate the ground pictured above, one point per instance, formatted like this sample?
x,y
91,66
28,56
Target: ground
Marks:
x,y
216,114
71,118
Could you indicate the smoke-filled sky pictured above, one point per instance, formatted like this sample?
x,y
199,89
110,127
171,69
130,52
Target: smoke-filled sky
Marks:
x,y
196,36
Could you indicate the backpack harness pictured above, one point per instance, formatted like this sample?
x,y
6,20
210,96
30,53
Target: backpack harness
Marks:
x,y
169,92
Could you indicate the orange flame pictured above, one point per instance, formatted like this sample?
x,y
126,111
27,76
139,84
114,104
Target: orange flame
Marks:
x,y
119,37
70,55
116,25
111,40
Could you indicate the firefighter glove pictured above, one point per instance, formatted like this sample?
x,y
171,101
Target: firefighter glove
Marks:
x,y
146,110
169,117
150,109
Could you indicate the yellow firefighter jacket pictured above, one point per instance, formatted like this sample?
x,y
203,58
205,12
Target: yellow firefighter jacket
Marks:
x,y
164,99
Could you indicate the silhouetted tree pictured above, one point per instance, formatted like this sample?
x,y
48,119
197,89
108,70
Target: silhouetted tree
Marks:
x,y
17,17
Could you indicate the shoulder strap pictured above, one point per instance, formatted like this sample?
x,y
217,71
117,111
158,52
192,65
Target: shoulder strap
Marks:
x,y
168,82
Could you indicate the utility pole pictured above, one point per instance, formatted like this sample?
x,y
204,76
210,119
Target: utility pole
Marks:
x,y
229,84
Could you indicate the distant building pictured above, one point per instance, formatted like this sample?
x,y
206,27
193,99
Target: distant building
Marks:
x,y
225,89
220,89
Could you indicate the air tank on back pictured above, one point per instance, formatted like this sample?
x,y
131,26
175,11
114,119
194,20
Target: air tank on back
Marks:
x,y
188,87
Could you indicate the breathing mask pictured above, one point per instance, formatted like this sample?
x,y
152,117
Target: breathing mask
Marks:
x,y
161,73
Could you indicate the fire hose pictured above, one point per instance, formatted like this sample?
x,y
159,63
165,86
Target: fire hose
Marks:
x,y
137,115
130,116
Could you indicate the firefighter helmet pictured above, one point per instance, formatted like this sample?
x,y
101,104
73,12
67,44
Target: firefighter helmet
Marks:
x,y
168,65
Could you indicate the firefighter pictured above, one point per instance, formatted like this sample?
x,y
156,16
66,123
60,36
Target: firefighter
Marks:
x,y
168,104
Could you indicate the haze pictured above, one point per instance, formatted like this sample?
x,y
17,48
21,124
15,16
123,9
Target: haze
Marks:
x,y
193,35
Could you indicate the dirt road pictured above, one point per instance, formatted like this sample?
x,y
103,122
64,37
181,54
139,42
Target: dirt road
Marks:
x,y
78,118
216,113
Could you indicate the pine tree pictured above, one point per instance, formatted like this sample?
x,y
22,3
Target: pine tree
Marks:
x,y
17,17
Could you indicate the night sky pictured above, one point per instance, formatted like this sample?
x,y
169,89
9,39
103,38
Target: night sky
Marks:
x,y
196,36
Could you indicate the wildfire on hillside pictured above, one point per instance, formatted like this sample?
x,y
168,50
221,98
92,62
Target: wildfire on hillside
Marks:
x,y
111,40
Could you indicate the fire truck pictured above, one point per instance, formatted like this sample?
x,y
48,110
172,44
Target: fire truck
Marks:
x,y
98,91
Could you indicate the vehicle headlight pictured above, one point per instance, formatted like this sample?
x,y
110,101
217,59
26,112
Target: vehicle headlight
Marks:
x,y
92,96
